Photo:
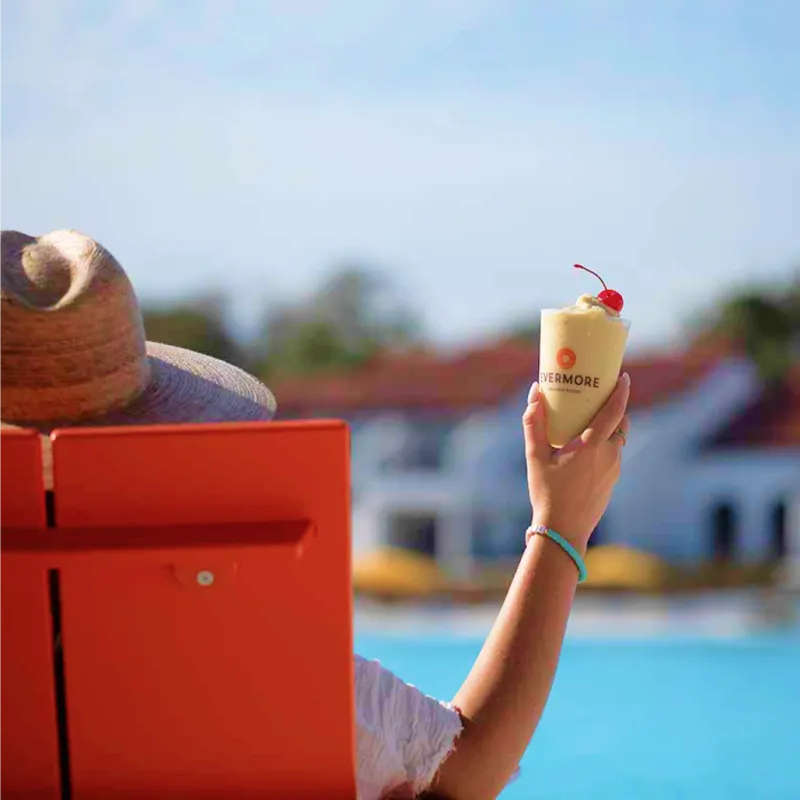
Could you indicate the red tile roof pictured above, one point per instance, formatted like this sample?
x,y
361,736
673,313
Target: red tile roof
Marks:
x,y
472,379
771,420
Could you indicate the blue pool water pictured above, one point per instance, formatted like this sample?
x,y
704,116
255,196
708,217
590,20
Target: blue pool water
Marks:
x,y
649,719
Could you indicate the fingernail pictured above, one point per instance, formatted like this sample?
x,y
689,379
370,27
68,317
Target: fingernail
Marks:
x,y
625,379
533,394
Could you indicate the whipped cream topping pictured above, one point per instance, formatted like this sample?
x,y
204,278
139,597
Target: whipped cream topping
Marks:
x,y
586,302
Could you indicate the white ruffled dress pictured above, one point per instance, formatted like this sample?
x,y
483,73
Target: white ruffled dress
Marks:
x,y
402,735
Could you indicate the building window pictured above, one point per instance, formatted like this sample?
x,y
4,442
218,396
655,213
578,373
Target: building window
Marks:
x,y
423,447
483,540
778,530
723,531
496,536
415,532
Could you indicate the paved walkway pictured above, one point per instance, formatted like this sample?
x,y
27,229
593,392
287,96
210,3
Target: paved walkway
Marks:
x,y
718,614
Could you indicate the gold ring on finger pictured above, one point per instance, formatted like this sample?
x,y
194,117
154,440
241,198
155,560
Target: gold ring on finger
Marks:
x,y
621,433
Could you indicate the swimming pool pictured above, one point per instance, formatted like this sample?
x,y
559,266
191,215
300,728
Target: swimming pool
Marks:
x,y
648,718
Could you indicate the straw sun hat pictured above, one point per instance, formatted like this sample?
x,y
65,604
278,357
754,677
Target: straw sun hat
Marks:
x,y
74,350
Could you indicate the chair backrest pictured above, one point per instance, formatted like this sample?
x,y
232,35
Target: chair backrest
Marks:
x,y
28,733
199,578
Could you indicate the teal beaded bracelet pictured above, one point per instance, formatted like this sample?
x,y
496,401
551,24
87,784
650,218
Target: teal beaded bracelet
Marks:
x,y
563,544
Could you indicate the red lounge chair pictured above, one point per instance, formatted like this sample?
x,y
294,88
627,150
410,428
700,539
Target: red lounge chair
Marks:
x,y
181,626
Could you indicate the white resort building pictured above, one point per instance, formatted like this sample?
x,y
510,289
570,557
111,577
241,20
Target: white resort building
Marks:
x,y
712,466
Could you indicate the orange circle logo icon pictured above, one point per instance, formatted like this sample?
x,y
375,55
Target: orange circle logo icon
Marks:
x,y
566,358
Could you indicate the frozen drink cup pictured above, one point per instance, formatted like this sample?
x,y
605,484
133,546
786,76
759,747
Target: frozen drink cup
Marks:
x,y
580,356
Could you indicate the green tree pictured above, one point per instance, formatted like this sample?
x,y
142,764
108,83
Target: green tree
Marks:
x,y
524,332
766,324
196,325
353,315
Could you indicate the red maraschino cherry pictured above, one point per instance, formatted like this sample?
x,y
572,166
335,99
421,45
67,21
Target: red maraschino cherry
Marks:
x,y
608,297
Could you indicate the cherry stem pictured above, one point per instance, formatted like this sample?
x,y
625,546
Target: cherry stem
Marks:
x,y
586,269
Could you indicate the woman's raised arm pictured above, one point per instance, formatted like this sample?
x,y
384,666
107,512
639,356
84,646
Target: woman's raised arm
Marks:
x,y
503,698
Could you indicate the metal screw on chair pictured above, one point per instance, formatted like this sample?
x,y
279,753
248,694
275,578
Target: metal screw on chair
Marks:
x,y
205,577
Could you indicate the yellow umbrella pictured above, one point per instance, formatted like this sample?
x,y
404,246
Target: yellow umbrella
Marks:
x,y
398,573
617,567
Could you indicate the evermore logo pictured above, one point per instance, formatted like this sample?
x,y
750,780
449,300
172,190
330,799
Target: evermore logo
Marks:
x,y
566,358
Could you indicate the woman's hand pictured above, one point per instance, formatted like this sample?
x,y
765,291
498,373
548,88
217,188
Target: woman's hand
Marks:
x,y
570,488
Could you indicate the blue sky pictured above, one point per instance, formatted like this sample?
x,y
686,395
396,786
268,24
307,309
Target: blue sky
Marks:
x,y
474,149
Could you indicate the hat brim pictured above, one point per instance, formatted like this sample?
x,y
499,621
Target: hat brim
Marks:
x,y
184,386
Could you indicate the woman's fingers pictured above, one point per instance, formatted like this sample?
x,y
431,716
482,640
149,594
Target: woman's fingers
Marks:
x,y
610,416
535,426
